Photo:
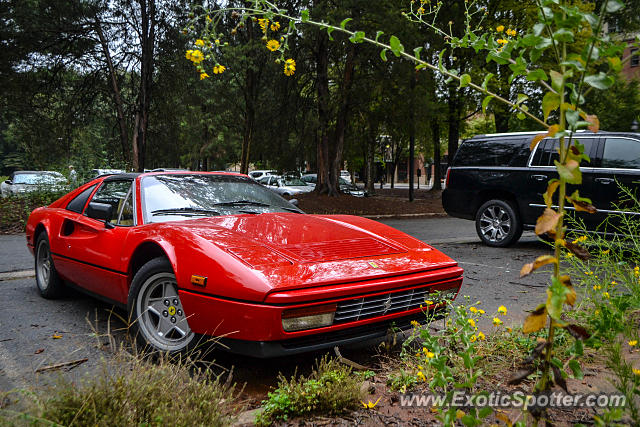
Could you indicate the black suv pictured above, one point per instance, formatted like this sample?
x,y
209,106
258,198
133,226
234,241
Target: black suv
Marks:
x,y
498,182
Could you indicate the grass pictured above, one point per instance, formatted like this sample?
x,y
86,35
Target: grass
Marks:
x,y
137,392
332,388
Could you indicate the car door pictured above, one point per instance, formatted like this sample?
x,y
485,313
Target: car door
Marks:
x,y
617,167
542,169
91,249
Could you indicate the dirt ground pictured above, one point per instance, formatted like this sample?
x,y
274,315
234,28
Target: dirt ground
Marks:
x,y
385,203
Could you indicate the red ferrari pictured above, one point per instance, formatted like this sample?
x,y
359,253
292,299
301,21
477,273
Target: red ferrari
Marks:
x,y
217,254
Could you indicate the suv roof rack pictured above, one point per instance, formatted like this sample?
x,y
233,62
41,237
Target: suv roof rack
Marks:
x,y
516,133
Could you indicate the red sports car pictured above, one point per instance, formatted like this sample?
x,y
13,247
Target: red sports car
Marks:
x,y
190,253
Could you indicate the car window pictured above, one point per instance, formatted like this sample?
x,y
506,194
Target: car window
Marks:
x,y
126,213
295,182
78,202
547,151
493,152
621,153
114,193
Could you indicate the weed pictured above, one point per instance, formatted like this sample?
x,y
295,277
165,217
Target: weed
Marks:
x,y
331,389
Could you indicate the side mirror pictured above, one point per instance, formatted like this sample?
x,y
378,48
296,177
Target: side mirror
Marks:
x,y
101,212
8,182
294,202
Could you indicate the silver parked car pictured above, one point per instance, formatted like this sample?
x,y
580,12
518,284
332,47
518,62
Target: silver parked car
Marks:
x,y
21,182
286,186
345,187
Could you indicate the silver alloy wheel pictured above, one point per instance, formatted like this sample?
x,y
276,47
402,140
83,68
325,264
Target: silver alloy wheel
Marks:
x,y
43,265
495,223
161,318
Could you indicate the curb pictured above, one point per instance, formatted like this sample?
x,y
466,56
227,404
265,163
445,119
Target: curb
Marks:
x,y
12,275
413,215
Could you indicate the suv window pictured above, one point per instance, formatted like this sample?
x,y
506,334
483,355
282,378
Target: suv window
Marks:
x,y
118,195
621,153
502,152
547,151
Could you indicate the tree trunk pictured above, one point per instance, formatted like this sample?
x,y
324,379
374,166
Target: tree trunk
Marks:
x,y
117,96
453,118
322,84
435,131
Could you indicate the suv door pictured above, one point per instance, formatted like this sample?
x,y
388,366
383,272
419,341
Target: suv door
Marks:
x,y
618,164
542,169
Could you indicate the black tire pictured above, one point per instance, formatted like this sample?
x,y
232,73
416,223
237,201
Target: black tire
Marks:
x,y
155,311
49,284
498,223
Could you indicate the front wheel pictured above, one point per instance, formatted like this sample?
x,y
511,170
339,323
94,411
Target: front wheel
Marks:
x,y
49,283
155,309
498,224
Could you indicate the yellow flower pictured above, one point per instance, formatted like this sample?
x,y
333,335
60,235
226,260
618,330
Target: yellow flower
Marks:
x,y
275,26
589,273
199,43
203,76
596,312
415,323
605,294
209,19
509,329
219,69
502,309
428,302
580,239
497,321
421,11
481,311
472,322
636,371
605,252
636,271
472,338
264,23
569,255
500,28
217,41
481,336
289,67
473,309
633,343
502,41
421,376
273,45
597,287
196,56
512,33
460,414
370,404
430,355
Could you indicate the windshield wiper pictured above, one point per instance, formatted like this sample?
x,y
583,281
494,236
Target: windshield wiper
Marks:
x,y
242,203
185,211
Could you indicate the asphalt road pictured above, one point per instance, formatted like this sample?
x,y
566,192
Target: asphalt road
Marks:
x,y
30,325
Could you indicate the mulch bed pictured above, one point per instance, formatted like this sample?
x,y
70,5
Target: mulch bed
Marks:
x,y
387,202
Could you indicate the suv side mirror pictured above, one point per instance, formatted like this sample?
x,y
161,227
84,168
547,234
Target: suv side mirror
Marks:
x,y
8,182
101,212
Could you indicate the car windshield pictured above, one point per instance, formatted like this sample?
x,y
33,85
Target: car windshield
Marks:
x,y
294,182
174,197
37,178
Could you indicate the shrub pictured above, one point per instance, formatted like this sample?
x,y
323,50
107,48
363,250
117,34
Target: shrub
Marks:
x,y
15,210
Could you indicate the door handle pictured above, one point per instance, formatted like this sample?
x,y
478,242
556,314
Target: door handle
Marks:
x,y
604,180
539,177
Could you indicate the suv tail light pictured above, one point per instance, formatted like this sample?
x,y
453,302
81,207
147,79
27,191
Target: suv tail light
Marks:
x,y
446,180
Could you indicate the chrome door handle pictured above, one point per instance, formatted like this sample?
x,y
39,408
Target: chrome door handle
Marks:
x,y
604,180
539,177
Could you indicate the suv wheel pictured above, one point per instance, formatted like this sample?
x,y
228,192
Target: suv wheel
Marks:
x,y
498,224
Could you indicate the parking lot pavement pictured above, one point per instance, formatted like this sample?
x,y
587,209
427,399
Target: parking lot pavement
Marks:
x,y
14,255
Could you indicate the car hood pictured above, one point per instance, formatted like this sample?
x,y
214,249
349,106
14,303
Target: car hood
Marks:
x,y
293,251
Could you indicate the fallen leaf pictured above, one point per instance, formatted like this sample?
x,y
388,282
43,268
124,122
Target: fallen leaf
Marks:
x,y
38,351
56,336
521,375
558,379
578,332
539,262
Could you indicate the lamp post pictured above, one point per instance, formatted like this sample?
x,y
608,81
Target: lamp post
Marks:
x,y
634,125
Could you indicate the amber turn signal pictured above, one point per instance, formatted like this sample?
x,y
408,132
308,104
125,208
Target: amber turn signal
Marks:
x,y
198,280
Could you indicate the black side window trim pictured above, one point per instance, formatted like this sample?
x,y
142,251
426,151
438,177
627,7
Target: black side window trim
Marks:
x,y
88,192
130,181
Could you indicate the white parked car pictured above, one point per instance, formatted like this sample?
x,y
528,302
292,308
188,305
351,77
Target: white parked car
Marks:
x,y
286,186
258,174
346,176
98,172
21,182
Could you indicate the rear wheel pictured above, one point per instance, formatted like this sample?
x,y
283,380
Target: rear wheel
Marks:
x,y
49,283
498,224
155,308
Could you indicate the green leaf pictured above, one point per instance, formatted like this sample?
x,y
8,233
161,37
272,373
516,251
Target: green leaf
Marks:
x,y
614,6
563,35
378,34
344,22
441,66
485,412
556,295
304,15
576,369
486,80
383,54
468,421
329,31
557,80
615,63
538,28
485,103
416,52
521,115
538,74
357,37
570,171
577,349
396,46
521,98
572,118
599,81
550,102
465,79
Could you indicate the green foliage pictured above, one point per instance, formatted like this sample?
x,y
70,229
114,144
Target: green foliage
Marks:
x,y
330,389
15,210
